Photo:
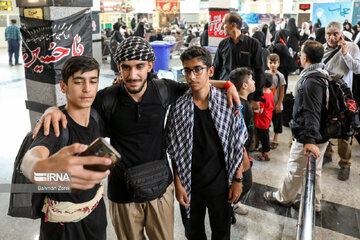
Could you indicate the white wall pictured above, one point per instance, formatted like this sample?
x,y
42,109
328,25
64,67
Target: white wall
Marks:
x,y
223,3
144,6
190,6
96,5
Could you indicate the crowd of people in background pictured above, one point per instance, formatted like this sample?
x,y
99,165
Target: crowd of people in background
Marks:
x,y
208,144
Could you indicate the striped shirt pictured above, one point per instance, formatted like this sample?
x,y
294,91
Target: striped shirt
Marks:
x,y
12,32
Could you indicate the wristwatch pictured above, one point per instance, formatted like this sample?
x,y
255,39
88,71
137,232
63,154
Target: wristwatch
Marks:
x,y
238,179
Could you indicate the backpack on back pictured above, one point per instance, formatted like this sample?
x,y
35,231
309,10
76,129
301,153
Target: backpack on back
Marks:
x,y
113,43
27,204
342,112
288,104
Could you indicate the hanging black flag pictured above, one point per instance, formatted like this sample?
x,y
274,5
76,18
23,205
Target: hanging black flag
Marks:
x,y
47,44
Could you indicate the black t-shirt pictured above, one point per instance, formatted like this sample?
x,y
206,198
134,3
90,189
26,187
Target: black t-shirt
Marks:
x,y
136,131
94,225
208,173
248,116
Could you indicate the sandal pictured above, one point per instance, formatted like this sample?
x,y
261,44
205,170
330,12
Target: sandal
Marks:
x,y
274,145
263,158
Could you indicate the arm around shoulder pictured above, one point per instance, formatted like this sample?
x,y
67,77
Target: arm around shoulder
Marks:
x,y
51,115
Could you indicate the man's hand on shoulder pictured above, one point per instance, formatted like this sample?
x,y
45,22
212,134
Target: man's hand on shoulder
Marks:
x,y
51,115
233,95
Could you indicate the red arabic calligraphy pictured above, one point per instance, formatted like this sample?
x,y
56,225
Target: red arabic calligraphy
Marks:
x,y
34,55
77,50
57,54
38,68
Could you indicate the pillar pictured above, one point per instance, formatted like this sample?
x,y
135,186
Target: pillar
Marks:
x,y
52,31
217,10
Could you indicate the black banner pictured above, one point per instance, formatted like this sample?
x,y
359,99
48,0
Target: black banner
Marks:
x,y
47,44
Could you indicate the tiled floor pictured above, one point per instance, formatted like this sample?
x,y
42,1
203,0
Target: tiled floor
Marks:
x,y
340,218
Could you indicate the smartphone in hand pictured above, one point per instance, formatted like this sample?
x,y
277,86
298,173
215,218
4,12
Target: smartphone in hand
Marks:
x,y
101,148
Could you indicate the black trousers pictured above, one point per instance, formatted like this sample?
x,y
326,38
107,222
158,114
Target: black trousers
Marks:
x,y
220,213
277,122
263,136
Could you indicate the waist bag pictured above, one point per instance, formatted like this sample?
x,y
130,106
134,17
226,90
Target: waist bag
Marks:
x,y
148,181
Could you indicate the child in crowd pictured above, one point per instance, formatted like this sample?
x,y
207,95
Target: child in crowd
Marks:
x,y
245,85
278,89
263,118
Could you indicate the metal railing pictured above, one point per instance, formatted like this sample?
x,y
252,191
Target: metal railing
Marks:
x,y
306,220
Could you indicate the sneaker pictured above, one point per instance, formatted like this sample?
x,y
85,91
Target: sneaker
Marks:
x,y
241,209
344,174
18,64
11,64
270,198
327,160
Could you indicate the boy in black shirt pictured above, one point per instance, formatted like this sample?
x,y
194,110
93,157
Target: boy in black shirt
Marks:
x,y
205,143
242,80
87,217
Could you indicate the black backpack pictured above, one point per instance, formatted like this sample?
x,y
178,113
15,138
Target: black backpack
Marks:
x,y
113,44
288,104
26,204
342,112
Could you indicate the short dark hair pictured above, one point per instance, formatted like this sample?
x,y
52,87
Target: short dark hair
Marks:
x,y
273,57
78,63
239,76
268,80
13,21
235,18
314,51
193,52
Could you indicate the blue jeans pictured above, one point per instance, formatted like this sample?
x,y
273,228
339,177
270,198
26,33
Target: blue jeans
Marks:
x,y
13,48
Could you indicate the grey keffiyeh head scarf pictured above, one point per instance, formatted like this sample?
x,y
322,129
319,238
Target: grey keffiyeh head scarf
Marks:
x,y
134,48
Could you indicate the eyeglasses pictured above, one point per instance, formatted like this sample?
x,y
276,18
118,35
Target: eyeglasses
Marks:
x,y
198,70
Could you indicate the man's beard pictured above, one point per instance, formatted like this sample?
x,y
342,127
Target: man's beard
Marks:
x,y
136,90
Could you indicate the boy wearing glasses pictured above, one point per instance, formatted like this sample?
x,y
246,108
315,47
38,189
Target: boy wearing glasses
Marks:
x,y
206,145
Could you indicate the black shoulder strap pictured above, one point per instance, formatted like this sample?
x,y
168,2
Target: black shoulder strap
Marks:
x,y
278,77
162,91
331,55
64,131
64,137
110,101
95,115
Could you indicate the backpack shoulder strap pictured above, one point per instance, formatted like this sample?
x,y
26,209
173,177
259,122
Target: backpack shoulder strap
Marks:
x,y
95,115
278,77
64,137
109,103
331,55
64,131
162,91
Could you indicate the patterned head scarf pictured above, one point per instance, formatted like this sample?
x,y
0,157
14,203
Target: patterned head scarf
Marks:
x,y
134,48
